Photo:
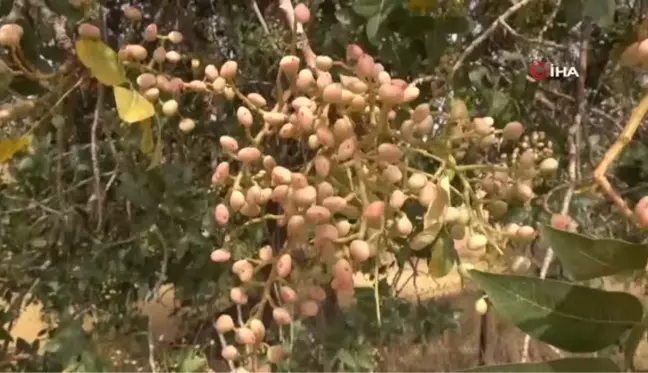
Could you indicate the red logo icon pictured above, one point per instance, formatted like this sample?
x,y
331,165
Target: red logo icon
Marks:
x,y
539,70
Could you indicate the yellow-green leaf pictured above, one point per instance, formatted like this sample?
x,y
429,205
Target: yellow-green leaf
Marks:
x,y
9,147
146,143
102,61
131,106
156,157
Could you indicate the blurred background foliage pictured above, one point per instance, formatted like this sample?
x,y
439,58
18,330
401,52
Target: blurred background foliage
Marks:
x,y
157,210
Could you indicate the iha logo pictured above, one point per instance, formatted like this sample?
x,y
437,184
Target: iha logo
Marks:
x,y
541,70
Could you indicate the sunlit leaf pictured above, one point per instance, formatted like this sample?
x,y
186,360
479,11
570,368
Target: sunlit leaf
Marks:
x,y
442,258
102,61
146,143
9,147
571,364
585,257
132,106
571,317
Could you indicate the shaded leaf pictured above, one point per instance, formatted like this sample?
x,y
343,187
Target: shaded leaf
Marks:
x,y
572,364
132,106
570,317
146,142
193,363
6,77
443,256
631,344
102,61
600,11
373,24
585,258
156,158
9,147
367,8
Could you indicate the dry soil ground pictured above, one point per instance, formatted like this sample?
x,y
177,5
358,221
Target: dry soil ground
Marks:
x,y
455,350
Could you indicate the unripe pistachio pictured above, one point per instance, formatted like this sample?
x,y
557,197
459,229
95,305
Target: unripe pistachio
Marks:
x,y
245,336
238,296
197,86
451,214
159,54
458,110
334,203
173,56
221,214
244,116
497,208
257,100
392,174
187,125
228,143
152,94
397,199
641,212
512,131
219,85
325,137
390,94
175,37
343,128
477,242
374,211
389,153
511,229
237,200
220,256
318,214
364,67
281,316
404,226
220,173
289,65
170,108
302,13
332,93
481,306
86,31
146,81
228,70
353,52
305,80
416,182
295,225
224,324
420,112
323,63
346,150
343,227
383,77
527,159
265,253
523,192
483,126
359,250
151,32
313,142
287,294
322,166
324,79
410,94
275,118
305,197
304,118
276,354
427,194
324,234
229,353
258,329
133,14
324,190
284,265
549,166
525,233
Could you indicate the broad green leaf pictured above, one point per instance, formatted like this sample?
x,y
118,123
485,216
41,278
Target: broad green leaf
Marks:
x,y
442,258
156,157
571,317
585,258
373,24
571,364
102,61
146,143
498,102
9,147
367,8
600,11
132,106
631,344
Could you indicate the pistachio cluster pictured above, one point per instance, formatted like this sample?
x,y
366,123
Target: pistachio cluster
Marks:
x,y
349,205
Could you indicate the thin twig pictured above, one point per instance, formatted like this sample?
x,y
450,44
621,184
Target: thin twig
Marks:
x,y
574,146
259,16
98,189
486,34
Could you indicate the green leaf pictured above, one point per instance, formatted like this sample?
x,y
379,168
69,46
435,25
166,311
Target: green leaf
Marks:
x,y
586,258
347,359
572,364
571,317
146,142
102,62
632,343
373,24
132,107
442,259
193,363
498,102
367,8
156,157
600,11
